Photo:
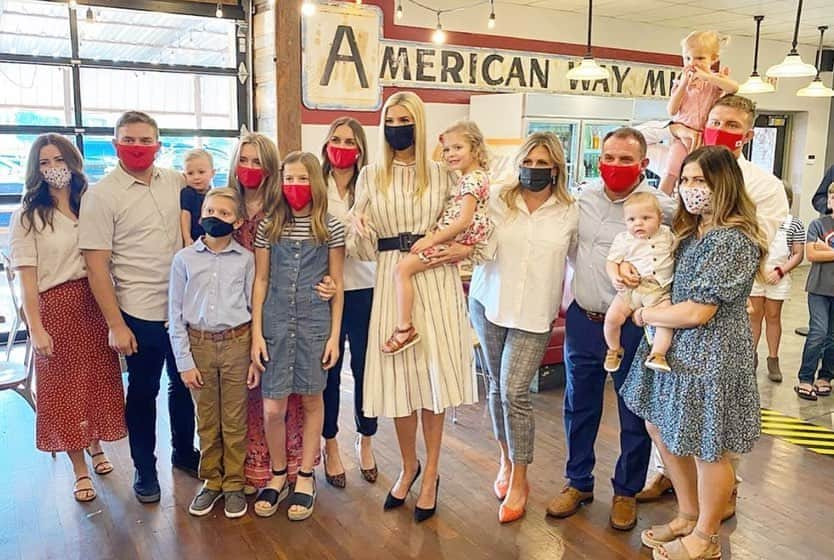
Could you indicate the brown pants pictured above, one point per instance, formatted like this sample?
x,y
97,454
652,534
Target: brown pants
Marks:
x,y
220,406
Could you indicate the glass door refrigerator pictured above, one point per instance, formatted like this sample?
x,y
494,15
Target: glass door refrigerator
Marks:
x,y
591,141
568,133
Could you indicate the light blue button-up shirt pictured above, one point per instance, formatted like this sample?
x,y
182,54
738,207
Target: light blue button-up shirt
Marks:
x,y
600,220
209,291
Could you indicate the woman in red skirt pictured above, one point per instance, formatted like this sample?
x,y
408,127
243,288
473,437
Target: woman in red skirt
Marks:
x,y
79,383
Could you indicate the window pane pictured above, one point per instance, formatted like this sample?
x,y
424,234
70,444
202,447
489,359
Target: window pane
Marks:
x,y
34,28
135,36
174,100
35,95
100,156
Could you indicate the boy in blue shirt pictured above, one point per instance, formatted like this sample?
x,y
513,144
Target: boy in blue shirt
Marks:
x,y
819,248
210,318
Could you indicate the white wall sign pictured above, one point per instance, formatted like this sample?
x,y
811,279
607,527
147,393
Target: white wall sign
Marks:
x,y
346,62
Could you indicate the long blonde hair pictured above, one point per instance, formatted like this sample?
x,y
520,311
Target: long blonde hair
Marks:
x,y
278,211
551,143
732,207
385,160
270,160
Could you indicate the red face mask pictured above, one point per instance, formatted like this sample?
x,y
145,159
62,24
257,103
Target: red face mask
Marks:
x,y
342,158
250,177
619,178
717,137
298,196
136,157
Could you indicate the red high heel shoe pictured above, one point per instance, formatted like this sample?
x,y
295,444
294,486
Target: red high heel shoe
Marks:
x,y
508,515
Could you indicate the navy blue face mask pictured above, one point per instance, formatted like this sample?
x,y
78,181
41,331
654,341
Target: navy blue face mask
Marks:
x,y
400,137
216,227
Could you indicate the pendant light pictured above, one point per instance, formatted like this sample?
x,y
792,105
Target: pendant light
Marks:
x,y
754,83
792,66
588,69
816,88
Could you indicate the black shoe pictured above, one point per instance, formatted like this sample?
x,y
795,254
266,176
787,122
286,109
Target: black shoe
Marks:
x,y
188,462
391,502
421,514
146,487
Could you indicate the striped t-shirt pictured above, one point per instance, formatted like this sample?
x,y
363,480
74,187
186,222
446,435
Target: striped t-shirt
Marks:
x,y
301,229
795,232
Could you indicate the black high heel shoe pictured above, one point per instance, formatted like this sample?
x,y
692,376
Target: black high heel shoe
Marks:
x,y
422,514
392,502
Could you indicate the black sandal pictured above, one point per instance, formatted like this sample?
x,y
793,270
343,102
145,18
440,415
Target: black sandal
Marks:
x,y
822,387
271,497
305,501
803,393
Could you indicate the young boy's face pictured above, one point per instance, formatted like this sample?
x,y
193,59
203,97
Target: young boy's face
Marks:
x,y
222,208
641,220
198,174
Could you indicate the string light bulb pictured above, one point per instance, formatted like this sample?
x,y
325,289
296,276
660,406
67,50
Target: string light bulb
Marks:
x,y
491,20
400,9
73,4
439,36
308,8
219,11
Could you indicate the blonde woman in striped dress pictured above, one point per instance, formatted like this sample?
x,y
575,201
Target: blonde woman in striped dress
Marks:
x,y
399,199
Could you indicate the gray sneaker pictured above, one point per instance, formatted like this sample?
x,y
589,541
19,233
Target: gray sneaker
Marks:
x,y
204,501
235,504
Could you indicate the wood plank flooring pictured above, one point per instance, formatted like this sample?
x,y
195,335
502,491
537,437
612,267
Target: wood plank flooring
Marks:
x,y
784,508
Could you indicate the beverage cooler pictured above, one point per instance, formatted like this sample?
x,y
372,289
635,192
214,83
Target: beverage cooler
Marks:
x,y
580,122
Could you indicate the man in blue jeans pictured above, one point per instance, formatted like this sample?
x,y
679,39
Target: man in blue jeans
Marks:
x,y
129,232
819,249
622,165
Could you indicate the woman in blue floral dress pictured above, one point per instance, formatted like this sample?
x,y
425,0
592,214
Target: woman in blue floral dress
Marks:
x,y
709,403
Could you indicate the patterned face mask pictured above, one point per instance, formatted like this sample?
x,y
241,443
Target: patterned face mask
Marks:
x,y
697,200
57,177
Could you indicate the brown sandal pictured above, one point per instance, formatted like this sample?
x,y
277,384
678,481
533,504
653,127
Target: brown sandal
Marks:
x,y
394,345
822,387
662,534
101,467
84,494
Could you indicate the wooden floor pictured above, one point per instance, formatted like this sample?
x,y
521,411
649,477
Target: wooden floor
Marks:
x,y
784,510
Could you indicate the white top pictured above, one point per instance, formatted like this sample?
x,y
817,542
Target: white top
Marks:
x,y
652,256
140,225
768,194
53,250
522,288
358,275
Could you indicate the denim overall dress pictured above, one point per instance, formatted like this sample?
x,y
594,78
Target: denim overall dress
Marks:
x,y
296,320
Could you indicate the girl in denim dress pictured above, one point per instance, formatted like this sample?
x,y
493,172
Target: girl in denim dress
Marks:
x,y
295,333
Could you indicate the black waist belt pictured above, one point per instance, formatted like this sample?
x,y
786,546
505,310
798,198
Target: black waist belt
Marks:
x,y
402,242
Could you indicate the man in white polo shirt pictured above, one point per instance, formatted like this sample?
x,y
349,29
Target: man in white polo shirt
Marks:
x,y
129,232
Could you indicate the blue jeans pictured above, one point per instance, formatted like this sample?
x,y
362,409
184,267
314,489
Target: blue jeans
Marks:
x,y
144,370
820,340
355,321
584,355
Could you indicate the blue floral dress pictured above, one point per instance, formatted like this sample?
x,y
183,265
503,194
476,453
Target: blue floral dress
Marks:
x,y
709,403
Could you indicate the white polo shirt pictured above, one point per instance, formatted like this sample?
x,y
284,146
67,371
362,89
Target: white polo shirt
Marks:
x,y
522,288
140,225
768,194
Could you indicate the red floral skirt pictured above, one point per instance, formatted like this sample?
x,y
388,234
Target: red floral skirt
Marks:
x,y
79,388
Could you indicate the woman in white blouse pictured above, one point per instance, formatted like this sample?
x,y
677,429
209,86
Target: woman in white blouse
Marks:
x,y
343,155
79,383
515,298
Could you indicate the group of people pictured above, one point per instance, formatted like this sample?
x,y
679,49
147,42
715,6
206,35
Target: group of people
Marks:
x,y
247,294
